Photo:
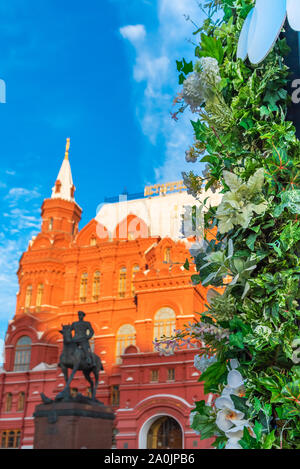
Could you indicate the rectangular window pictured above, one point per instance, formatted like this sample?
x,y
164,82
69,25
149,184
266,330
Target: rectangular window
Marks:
x,y
122,282
167,255
28,298
39,297
154,376
135,269
96,286
10,439
115,395
83,287
171,374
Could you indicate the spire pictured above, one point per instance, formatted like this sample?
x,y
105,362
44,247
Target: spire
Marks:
x,y
64,187
67,149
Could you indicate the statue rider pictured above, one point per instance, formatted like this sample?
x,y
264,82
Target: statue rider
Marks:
x,y
83,333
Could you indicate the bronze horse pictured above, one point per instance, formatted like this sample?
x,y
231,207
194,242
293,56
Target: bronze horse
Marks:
x,y
73,357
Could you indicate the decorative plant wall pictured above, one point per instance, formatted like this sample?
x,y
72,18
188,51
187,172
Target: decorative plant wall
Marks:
x,y
250,333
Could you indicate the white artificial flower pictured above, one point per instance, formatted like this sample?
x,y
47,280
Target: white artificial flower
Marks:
x,y
238,430
210,73
230,420
235,384
234,364
198,86
233,443
263,25
296,353
235,379
235,433
228,416
193,92
203,362
190,157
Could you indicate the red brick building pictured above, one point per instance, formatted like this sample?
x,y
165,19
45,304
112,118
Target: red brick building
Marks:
x,y
124,269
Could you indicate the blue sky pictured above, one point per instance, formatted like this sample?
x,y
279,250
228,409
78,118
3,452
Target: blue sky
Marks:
x,y
102,73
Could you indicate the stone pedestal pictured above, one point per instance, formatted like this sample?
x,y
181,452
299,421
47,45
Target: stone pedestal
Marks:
x,y
73,425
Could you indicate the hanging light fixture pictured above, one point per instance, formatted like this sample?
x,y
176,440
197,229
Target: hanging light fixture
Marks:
x,y
263,26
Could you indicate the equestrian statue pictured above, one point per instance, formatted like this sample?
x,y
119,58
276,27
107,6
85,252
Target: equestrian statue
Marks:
x,y
77,356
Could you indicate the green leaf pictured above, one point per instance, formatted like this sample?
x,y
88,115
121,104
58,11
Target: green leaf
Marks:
x,y
240,403
258,428
213,375
236,340
257,404
187,67
247,441
211,47
270,438
181,79
179,65
251,241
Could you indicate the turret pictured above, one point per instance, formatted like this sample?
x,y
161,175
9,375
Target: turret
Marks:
x,y
60,213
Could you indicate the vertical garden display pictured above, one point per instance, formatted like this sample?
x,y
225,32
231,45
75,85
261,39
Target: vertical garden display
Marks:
x,y
250,333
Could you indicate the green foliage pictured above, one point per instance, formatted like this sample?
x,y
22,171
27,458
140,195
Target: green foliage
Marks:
x,y
211,47
253,154
214,374
203,421
185,68
239,203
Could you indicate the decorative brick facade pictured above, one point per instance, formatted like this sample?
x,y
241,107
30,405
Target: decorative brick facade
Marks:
x,y
65,270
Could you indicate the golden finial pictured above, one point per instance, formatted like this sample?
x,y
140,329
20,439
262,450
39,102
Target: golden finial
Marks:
x,y
67,149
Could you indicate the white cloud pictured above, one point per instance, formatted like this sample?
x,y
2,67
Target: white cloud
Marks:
x,y
155,73
20,194
10,252
21,219
134,33
152,70
10,172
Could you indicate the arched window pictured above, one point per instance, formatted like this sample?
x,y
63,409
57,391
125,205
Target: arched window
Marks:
x,y
28,298
21,402
96,285
167,255
57,186
50,226
122,282
125,337
39,296
135,269
93,241
8,402
23,354
83,287
164,323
